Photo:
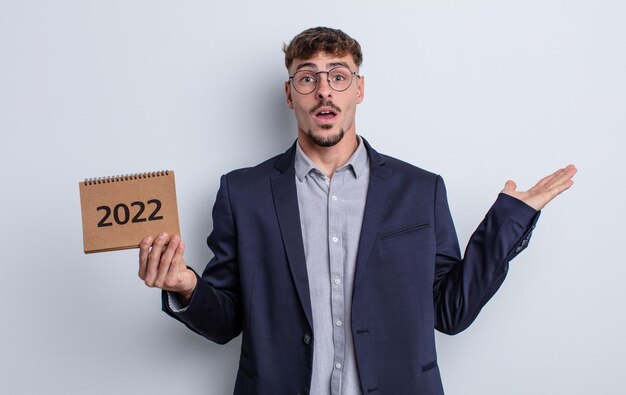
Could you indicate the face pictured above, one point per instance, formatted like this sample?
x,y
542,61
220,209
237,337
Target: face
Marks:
x,y
325,116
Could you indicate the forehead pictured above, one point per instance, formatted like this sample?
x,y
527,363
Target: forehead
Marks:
x,y
323,61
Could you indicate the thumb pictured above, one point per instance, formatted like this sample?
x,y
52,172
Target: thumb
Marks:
x,y
180,252
509,186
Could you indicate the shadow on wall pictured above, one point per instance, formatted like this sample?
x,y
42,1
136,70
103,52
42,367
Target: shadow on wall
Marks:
x,y
275,124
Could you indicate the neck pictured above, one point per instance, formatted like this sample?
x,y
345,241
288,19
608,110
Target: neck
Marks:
x,y
329,159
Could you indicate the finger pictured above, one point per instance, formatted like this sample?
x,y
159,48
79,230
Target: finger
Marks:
x,y
154,259
509,186
173,277
547,194
560,188
547,179
144,250
166,261
177,259
568,172
558,177
562,175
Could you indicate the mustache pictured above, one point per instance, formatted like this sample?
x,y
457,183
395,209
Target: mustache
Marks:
x,y
325,103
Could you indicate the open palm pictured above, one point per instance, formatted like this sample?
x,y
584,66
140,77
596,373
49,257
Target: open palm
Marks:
x,y
545,190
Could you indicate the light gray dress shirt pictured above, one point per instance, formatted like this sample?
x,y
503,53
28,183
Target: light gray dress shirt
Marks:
x,y
331,214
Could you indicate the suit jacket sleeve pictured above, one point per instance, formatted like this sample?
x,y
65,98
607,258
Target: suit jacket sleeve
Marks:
x,y
463,286
214,310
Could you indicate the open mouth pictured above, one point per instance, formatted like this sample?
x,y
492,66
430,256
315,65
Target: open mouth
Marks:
x,y
325,115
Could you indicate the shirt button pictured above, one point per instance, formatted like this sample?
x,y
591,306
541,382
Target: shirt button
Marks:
x,y
338,365
335,239
334,198
338,323
306,338
337,280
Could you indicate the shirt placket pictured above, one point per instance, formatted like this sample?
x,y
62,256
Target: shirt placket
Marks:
x,y
336,255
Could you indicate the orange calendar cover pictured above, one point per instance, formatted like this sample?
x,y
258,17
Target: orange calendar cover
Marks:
x,y
119,211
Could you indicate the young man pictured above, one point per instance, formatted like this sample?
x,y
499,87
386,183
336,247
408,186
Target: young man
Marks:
x,y
335,262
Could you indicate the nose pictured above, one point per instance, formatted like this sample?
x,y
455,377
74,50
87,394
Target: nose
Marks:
x,y
323,88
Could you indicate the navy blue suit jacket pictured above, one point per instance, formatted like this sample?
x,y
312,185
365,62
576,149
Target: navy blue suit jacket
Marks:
x,y
410,278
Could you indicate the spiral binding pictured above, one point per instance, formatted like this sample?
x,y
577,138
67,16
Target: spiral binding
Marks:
x,y
125,177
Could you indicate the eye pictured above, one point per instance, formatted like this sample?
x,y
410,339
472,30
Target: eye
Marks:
x,y
306,78
338,78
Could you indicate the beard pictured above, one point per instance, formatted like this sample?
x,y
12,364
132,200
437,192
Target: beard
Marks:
x,y
325,141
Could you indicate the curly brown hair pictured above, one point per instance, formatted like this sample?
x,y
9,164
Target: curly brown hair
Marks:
x,y
322,39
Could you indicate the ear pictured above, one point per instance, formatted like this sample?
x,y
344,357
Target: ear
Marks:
x,y
288,94
360,93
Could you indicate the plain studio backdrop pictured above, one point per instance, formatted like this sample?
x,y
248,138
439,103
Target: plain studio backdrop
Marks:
x,y
477,91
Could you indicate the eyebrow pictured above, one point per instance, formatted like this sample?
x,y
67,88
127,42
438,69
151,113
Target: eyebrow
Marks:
x,y
306,64
335,64
314,66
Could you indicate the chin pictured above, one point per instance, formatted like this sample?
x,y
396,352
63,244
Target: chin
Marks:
x,y
326,141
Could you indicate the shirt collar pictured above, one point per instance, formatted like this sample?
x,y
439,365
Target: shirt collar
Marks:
x,y
358,162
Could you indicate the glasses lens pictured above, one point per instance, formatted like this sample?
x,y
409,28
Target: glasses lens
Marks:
x,y
340,78
305,81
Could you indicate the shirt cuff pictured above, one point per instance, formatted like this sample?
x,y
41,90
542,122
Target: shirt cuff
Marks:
x,y
174,303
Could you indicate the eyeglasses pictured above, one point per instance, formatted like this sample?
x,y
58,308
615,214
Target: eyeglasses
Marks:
x,y
339,78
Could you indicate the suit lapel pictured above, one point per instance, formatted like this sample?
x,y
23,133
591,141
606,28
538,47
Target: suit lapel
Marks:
x,y
374,209
286,204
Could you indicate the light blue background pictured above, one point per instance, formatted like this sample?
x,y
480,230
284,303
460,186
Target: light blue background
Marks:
x,y
477,91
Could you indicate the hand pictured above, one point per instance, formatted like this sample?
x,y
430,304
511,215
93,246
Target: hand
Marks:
x,y
161,265
545,190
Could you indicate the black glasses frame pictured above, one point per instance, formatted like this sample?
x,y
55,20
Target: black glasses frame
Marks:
x,y
352,74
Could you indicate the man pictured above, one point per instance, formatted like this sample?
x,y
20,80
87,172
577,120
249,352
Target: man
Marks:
x,y
335,262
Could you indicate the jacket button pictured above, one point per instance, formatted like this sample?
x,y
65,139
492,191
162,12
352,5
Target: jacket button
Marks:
x,y
306,338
